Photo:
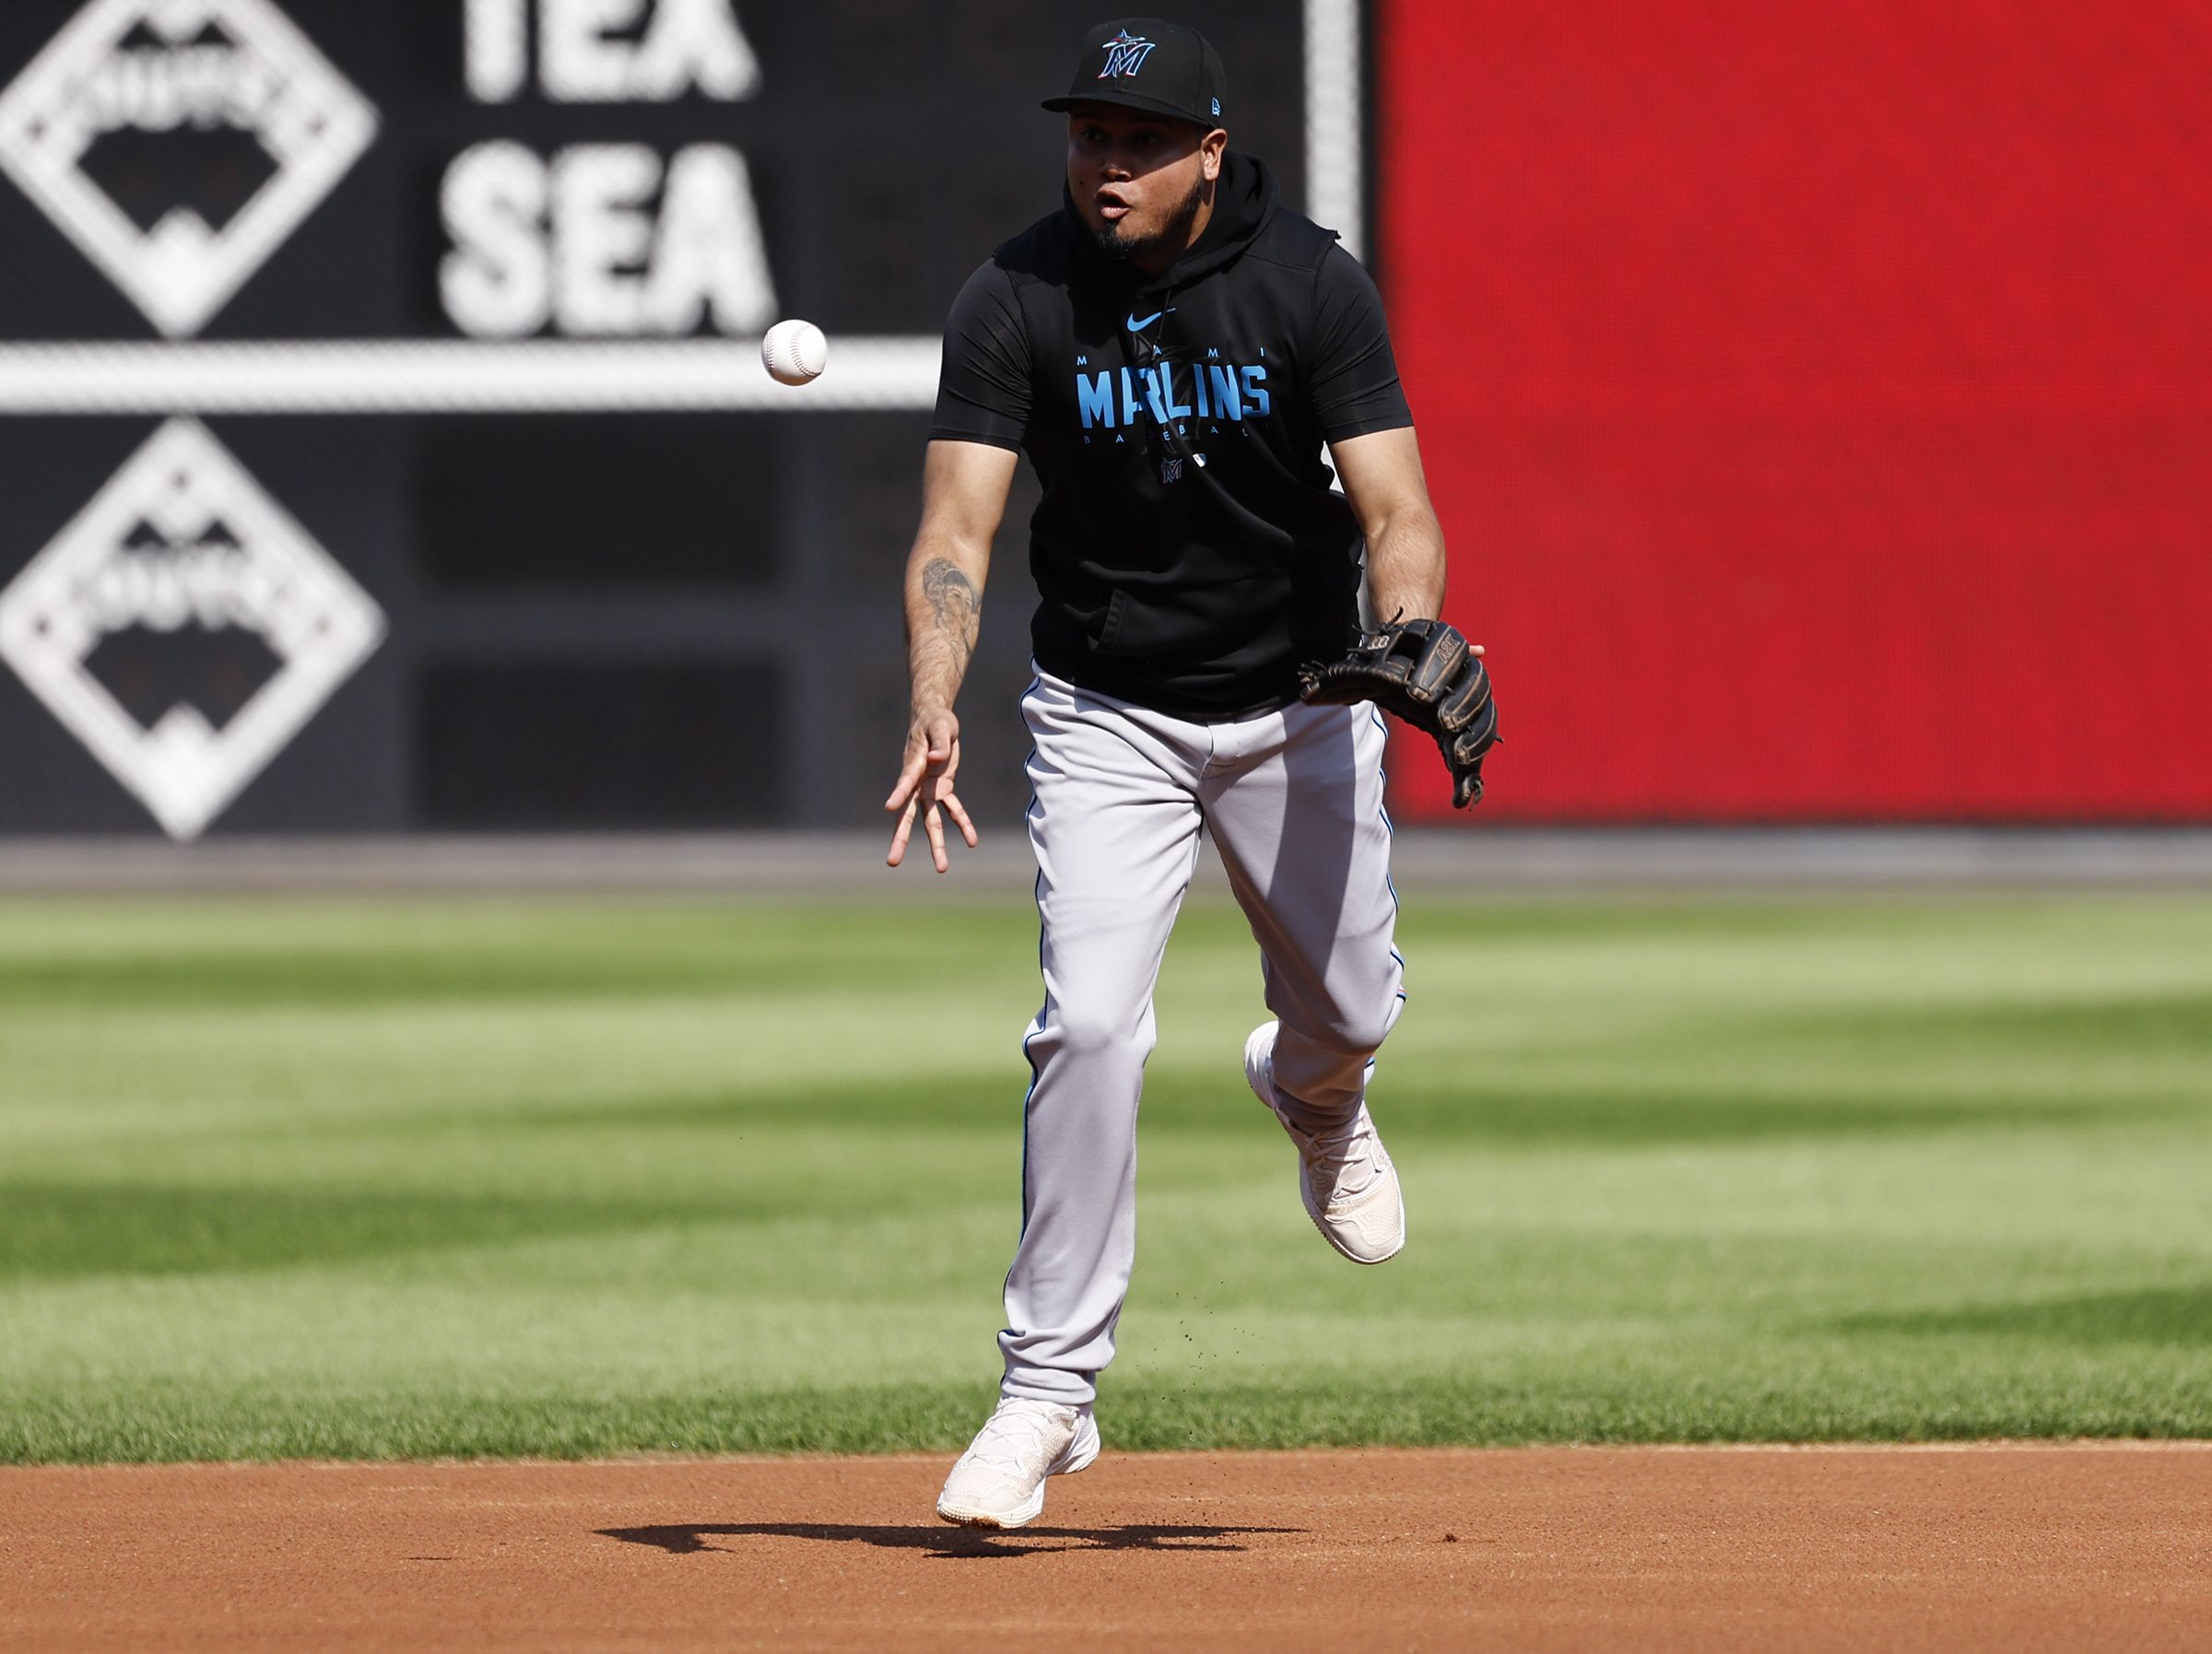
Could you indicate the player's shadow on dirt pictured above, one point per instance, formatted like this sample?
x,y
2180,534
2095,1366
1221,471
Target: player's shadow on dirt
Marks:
x,y
685,1538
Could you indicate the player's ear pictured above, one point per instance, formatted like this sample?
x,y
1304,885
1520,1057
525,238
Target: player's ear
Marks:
x,y
1210,149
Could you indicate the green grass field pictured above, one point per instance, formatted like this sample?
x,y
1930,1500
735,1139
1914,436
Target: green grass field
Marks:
x,y
406,1177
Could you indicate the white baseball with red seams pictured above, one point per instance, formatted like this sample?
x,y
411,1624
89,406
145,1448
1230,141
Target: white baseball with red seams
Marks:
x,y
795,352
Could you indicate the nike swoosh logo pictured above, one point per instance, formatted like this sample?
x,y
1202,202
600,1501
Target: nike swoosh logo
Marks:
x,y
1136,326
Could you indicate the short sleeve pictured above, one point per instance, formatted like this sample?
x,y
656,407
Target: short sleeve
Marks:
x,y
1354,378
983,389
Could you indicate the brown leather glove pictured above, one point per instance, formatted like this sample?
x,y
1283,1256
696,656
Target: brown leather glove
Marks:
x,y
1423,672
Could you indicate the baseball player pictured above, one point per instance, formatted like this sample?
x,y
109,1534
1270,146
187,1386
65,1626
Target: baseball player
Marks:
x,y
1174,349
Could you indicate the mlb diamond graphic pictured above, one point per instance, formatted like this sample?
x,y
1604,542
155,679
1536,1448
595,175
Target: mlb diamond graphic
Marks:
x,y
134,93
183,561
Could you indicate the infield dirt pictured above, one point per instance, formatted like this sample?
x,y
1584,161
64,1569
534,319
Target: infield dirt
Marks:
x,y
1981,1547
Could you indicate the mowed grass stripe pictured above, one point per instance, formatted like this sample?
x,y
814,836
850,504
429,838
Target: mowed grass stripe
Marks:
x,y
581,1176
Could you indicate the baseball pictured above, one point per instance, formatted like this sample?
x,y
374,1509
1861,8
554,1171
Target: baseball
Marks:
x,y
795,352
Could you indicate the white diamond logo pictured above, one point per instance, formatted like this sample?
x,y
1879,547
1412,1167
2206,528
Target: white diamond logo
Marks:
x,y
131,74
184,549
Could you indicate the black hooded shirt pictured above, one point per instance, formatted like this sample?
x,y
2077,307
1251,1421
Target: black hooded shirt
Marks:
x,y
1188,550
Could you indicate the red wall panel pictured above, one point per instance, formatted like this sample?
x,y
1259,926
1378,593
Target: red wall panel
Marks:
x,y
1818,399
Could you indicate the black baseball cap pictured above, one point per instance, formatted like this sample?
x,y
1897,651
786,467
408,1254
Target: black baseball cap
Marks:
x,y
1142,62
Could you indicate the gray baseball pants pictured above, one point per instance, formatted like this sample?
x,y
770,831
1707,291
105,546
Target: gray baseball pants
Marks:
x,y
1293,801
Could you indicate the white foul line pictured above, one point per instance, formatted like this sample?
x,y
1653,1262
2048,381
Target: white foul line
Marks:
x,y
317,377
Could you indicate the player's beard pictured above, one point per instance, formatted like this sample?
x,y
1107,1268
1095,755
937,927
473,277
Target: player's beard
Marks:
x,y
1174,233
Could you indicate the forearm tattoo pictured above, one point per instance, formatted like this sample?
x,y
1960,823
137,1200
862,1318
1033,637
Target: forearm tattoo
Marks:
x,y
956,609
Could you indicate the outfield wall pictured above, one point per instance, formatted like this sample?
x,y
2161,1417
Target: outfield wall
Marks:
x,y
1815,399
384,445
1815,403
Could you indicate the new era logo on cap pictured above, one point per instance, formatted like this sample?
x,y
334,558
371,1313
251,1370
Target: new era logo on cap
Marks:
x,y
1146,63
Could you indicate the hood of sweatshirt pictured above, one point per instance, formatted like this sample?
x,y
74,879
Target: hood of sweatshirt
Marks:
x,y
1245,199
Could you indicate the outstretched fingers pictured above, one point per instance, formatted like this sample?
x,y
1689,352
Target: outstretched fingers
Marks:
x,y
934,747
954,808
932,819
910,778
939,790
902,832
924,793
937,801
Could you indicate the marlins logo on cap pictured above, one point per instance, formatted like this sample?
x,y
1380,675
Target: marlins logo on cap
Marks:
x,y
1180,74
1125,55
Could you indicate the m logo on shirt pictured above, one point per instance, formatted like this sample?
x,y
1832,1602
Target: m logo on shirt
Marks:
x,y
1125,55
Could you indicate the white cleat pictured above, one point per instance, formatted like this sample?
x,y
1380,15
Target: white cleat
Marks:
x,y
999,1481
1345,1175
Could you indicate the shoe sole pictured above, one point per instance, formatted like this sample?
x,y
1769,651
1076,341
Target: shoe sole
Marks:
x,y
1329,1235
1256,1050
1081,1455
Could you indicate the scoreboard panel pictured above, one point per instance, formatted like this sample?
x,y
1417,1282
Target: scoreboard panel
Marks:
x,y
383,441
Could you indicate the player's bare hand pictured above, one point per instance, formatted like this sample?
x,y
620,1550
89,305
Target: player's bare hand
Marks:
x,y
924,791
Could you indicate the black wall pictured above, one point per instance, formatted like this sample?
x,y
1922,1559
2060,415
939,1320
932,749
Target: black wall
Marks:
x,y
596,620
